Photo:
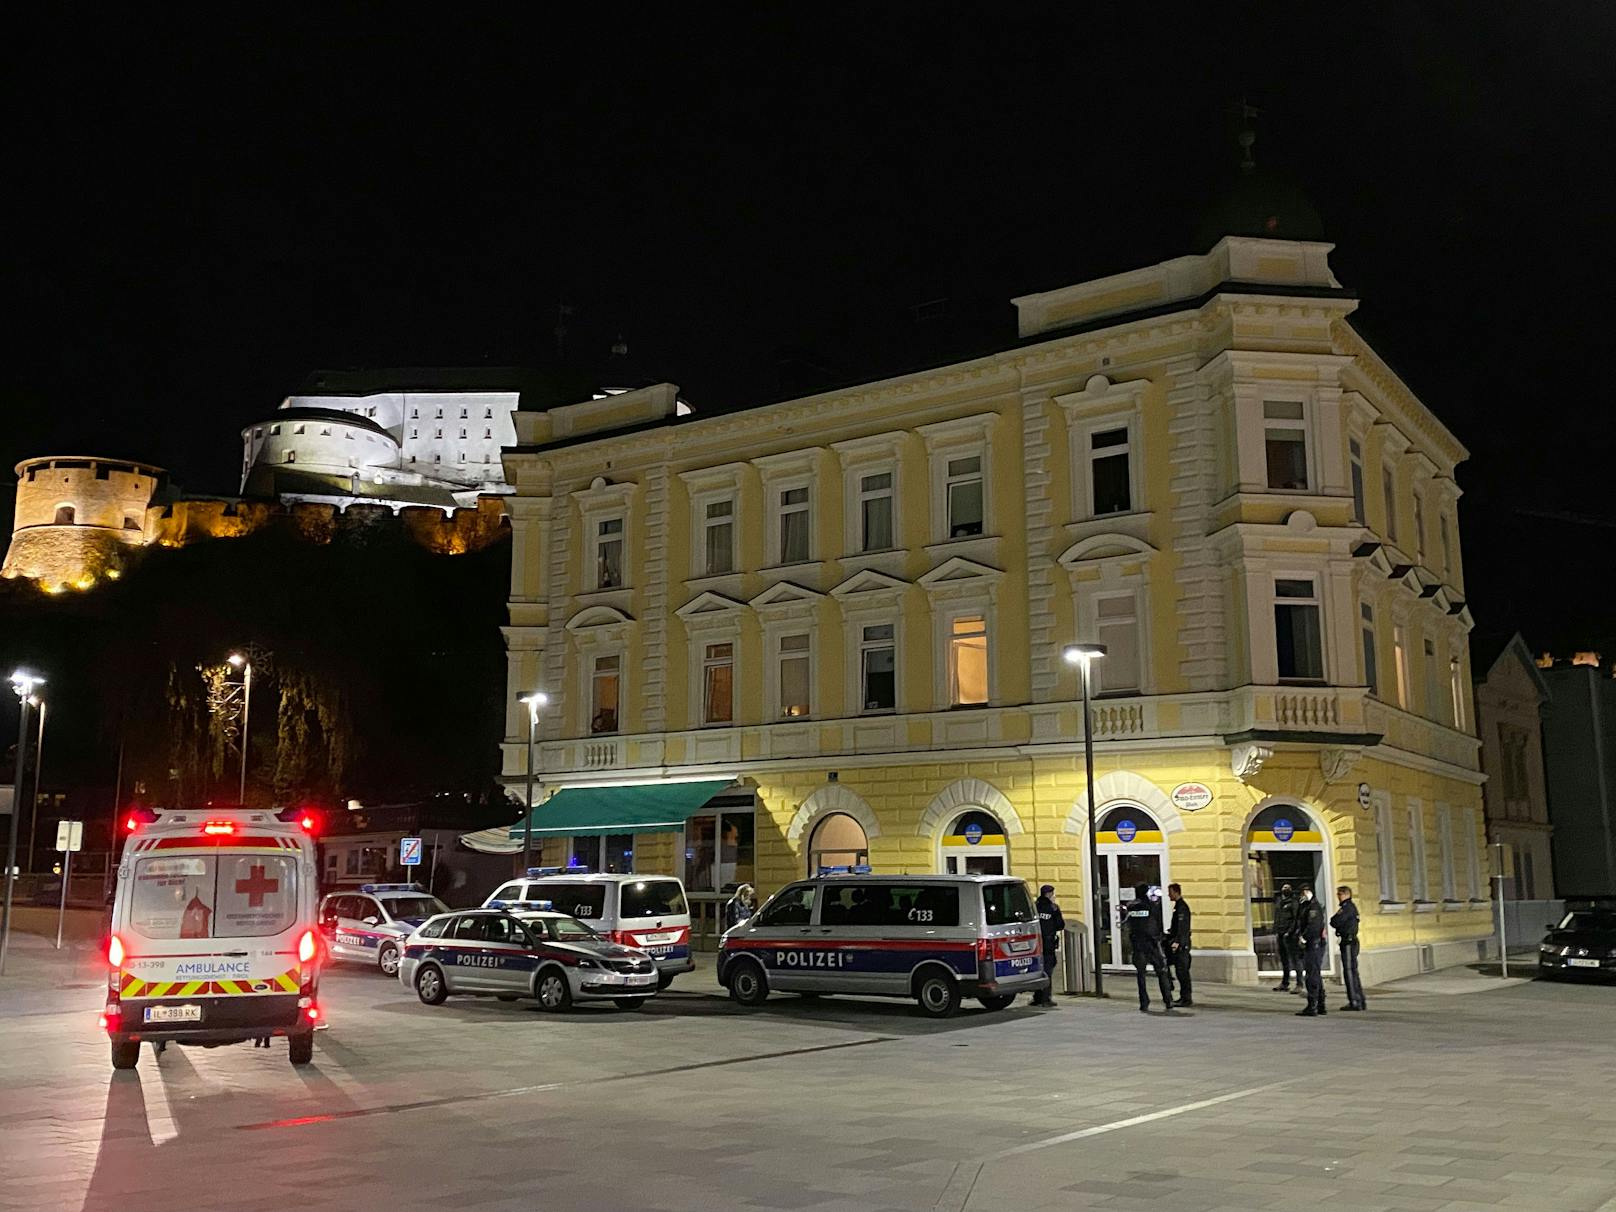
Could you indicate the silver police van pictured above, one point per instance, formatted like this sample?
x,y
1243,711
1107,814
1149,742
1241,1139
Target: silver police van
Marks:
x,y
935,938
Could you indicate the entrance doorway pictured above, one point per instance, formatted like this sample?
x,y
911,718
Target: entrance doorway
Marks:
x,y
837,843
1132,851
1284,845
974,844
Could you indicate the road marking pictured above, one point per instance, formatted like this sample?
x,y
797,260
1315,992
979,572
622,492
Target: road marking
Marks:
x,y
298,1121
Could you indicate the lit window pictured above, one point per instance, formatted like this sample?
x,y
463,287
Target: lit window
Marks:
x,y
793,525
1388,487
1400,656
718,684
1367,628
1355,457
1285,440
609,553
794,676
1117,619
875,511
1298,636
878,668
968,661
604,694
718,545
964,496
1109,489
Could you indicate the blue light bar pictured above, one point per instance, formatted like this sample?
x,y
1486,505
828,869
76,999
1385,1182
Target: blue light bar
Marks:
x,y
391,888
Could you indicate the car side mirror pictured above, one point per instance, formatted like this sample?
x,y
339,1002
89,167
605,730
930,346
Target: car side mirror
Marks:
x,y
372,920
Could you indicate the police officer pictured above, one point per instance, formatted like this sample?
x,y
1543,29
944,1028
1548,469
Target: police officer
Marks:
x,y
1345,924
1051,921
1178,944
1285,935
1145,936
1310,929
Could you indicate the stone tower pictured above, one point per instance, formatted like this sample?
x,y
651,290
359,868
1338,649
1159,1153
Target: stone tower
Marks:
x,y
78,516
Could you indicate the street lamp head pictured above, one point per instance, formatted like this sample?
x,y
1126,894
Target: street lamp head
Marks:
x,y
533,701
1082,654
236,659
23,682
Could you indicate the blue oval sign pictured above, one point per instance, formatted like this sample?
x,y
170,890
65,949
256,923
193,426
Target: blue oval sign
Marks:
x,y
973,833
1127,830
1284,830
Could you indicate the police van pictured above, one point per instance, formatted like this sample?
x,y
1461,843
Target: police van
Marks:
x,y
935,938
644,911
214,937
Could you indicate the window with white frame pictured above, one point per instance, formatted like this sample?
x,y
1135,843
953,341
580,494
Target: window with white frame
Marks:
x,y
1116,619
1444,839
878,667
718,683
1418,885
1298,629
1388,488
968,661
1433,679
1355,460
1456,691
795,674
1386,845
1400,659
605,684
1366,629
963,496
609,553
718,537
875,511
1285,444
1110,480
794,525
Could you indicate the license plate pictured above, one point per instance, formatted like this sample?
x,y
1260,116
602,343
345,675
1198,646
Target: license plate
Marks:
x,y
173,1014
667,936
1583,963
1020,945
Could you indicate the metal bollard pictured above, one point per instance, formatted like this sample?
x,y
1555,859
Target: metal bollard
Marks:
x,y
1074,966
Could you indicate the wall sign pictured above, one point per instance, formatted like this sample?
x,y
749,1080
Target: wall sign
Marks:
x,y
1191,797
1126,831
973,833
1283,830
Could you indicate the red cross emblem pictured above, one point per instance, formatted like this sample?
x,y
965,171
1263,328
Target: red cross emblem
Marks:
x,y
256,887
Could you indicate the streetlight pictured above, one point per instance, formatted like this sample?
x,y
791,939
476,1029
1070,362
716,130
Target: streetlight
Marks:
x,y
533,702
23,683
1084,656
243,664
38,700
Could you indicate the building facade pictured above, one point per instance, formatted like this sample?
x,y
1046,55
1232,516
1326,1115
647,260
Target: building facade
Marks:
x,y
844,614
1579,755
1511,697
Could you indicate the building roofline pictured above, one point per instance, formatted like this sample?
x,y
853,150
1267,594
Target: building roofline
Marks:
x,y
140,463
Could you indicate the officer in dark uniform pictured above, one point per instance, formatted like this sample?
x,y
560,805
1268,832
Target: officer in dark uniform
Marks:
x,y
1145,936
1285,936
1050,923
1178,945
1310,923
1345,924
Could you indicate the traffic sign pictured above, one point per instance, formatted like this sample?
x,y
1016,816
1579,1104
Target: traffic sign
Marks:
x,y
409,851
69,836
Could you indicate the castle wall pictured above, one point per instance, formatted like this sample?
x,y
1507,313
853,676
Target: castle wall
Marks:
x,y
78,518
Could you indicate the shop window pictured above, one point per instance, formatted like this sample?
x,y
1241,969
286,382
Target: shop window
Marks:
x,y
963,493
1117,620
605,684
1366,628
718,684
794,545
875,511
1109,487
1285,444
720,851
795,672
1298,636
968,661
878,668
1355,460
609,553
718,526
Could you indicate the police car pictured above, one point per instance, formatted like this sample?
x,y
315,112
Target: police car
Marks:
x,y
530,951
369,926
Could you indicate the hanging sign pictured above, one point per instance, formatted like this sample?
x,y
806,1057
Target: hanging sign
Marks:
x,y
1191,797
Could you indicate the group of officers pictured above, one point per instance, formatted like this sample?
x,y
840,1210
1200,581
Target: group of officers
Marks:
x,y
1299,925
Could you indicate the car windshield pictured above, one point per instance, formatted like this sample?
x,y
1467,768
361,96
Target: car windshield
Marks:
x,y
414,906
1589,919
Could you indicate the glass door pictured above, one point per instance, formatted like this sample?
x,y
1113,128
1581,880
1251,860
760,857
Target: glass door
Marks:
x,y
1120,871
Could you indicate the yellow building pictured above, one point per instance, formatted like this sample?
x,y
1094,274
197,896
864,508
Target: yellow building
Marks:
x,y
833,625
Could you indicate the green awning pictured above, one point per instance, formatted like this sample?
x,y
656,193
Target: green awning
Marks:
x,y
641,808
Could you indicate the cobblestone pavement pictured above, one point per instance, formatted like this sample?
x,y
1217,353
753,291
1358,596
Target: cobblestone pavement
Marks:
x,y
1499,1099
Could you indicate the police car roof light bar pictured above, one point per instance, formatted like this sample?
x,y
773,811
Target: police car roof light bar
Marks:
x,y
534,873
391,888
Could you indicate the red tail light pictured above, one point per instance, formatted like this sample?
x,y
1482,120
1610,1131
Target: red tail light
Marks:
x,y
115,951
314,1014
984,948
218,827
309,821
307,946
111,1017
131,822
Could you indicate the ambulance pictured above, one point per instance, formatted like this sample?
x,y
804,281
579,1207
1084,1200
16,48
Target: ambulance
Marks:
x,y
214,937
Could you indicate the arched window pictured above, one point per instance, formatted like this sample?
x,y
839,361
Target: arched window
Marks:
x,y
1132,851
974,844
837,841
1127,825
64,515
1284,846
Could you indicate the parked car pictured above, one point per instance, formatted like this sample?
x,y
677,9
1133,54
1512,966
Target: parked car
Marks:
x,y
1582,943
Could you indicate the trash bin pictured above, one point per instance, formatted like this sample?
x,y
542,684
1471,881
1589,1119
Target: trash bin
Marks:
x,y
1074,971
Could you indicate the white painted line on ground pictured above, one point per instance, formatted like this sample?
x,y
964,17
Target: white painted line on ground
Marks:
x,y
160,1123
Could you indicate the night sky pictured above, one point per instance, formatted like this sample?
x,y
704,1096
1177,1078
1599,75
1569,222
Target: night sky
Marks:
x,y
213,208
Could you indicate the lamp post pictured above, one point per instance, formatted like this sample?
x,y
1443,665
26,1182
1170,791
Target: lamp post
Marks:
x,y
243,664
23,683
1084,656
533,702
39,762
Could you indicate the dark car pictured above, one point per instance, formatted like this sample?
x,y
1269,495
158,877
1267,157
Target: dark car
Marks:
x,y
1582,944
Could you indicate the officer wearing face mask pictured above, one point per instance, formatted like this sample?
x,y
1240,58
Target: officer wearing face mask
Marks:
x,y
1310,926
1143,919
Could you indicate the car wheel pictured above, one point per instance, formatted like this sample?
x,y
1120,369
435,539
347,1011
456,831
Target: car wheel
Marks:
x,y
302,1047
125,1055
629,1003
937,995
747,984
554,993
387,961
664,979
430,986
998,1001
